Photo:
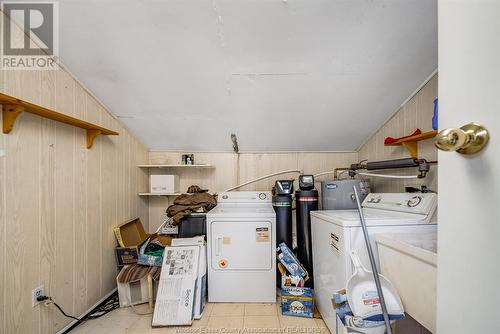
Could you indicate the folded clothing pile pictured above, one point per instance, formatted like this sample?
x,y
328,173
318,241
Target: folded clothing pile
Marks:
x,y
188,203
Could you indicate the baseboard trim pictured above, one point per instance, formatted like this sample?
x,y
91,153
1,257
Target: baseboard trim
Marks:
x,y
68,326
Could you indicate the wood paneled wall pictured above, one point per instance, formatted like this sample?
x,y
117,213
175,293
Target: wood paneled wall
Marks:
x,y
416,113
231,170
59,202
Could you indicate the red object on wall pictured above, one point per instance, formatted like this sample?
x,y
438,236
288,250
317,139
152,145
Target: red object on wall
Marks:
x,y
390,140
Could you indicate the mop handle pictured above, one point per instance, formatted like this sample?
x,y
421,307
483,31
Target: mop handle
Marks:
x,y
373,264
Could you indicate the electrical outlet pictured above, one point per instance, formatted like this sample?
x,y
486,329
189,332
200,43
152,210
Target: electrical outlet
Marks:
x,y
37,292
2,153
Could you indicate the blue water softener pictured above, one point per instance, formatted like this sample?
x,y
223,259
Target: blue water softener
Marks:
x,y
435,115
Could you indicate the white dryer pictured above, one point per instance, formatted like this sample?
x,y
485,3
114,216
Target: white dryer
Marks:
x,y
241,240
336,232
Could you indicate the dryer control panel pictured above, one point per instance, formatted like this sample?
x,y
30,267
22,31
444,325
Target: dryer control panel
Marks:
x,y
418,203
245,197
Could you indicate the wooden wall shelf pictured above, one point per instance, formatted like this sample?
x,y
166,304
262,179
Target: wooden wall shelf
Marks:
x,y
411,143
13,107
159,194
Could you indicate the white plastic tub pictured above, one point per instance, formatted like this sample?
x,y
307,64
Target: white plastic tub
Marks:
x,y
410,262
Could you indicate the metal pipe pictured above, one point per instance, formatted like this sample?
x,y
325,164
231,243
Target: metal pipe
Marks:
x,y
373,264
390,164
336,172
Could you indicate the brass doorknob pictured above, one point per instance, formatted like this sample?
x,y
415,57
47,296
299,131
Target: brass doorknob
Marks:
x,y
469,139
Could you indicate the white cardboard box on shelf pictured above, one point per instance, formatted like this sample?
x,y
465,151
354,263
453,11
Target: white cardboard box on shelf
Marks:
x,y
164,184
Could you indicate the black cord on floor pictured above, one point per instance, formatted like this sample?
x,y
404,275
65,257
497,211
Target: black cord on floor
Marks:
x,y
49,300
104,308
64,313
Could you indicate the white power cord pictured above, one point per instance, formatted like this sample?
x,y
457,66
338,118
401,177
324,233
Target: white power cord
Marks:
x,y
390,176
371,174
339,173
263,178
319,174
323,173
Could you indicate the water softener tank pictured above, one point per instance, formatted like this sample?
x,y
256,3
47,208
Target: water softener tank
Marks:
x,y
282,204
306,200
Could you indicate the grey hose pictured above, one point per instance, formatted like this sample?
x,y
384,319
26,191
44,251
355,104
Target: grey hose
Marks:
x,y
388,329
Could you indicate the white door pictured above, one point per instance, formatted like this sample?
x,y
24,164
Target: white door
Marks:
x,y
240,245
469,186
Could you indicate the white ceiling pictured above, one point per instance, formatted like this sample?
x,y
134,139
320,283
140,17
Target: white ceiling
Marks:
x,y
296,75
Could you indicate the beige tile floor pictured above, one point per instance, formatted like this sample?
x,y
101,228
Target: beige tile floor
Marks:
x,y
217,318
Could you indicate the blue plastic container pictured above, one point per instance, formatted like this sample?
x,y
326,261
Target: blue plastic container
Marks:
x,y
435,115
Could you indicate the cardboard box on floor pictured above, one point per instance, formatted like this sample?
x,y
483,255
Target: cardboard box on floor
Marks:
x,y
296,300
201,281
130,236
136,291
181,291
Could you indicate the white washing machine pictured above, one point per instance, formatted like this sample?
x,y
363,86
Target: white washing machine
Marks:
x,y
336,232
241,239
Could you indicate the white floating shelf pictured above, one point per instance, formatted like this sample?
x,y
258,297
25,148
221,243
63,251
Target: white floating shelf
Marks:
x,y
159,194
176,166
